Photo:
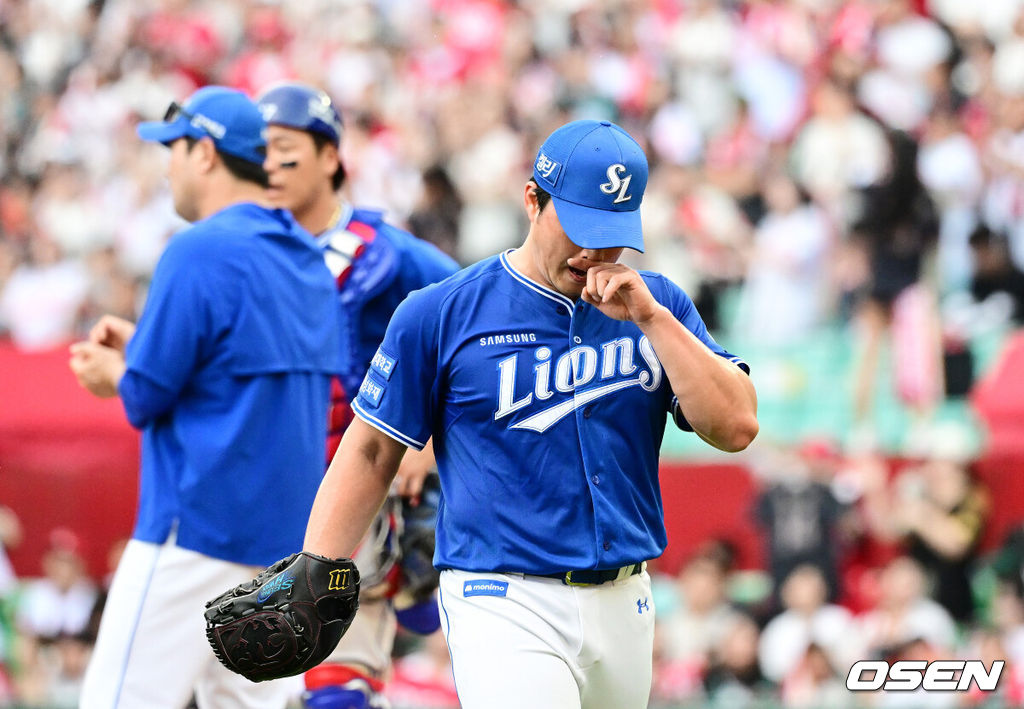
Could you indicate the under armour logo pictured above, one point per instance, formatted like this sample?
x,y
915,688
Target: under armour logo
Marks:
x,y
617,184
642,606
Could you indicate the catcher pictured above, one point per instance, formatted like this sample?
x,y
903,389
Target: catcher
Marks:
x,y
375,266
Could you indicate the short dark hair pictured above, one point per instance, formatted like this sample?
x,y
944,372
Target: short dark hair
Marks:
x,y
239,168
543,196
338,178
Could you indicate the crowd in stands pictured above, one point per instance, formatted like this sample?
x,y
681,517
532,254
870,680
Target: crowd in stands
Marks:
x,y
814,163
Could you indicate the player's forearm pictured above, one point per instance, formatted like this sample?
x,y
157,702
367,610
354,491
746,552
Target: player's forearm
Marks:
x,y
716,396
353,489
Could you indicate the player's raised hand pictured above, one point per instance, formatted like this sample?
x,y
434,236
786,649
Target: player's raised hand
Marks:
x,y
98,368
617,291
112,331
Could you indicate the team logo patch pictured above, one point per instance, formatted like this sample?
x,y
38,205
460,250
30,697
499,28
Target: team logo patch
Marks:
x,y
319,107
547,168
484,587
372,390
278,583
268,110
383,364
617,183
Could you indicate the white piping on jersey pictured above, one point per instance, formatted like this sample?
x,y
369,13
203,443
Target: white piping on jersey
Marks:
x,y
547,418
385,428
533,285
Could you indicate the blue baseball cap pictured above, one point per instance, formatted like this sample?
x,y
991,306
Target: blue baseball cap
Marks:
x,y
302,107
227,116
596,175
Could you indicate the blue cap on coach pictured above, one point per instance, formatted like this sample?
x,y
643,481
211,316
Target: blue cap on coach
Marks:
x,y
227,116
302,107
596,175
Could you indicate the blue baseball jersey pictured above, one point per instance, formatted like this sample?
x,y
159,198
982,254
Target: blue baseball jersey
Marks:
x,y
546,415
228,377
376,265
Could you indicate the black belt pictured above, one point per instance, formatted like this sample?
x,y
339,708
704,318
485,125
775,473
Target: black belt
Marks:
x,y
594,577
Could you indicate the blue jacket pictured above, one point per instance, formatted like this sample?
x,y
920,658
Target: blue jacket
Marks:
x,y
228,377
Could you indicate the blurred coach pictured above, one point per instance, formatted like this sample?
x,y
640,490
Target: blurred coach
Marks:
x,y
235,347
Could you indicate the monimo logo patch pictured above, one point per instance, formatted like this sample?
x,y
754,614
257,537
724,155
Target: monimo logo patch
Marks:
x,y
484,587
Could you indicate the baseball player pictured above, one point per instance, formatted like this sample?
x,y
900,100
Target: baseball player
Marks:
x,y
237,343
375,266
544,376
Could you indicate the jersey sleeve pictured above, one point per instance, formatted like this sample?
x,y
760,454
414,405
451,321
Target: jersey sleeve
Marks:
x,y
676,300
399,392
144,400
184,312
423,263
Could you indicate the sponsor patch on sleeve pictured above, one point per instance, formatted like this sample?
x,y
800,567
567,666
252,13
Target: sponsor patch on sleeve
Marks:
x,y
372,390
484,587
383,364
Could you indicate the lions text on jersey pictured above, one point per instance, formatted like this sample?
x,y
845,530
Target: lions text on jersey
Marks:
x,y
547,418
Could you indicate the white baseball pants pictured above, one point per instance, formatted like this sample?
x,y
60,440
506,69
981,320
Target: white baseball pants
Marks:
x,y
152,651
524,641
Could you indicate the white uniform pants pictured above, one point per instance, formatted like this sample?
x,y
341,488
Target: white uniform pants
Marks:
x,y
522,641
152,651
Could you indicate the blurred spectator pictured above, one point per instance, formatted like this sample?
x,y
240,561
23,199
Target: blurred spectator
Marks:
x,y
1003,158
896,224
904,615
41,300
734,678
735,158
61,601
63,669
997,282
804,520
911,51
950,167
808,627
938,512
788,268
52,620
814,682
696,625
989,646
436,217
838,149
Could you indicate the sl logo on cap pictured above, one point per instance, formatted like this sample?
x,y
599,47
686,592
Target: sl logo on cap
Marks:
x,y
617,184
